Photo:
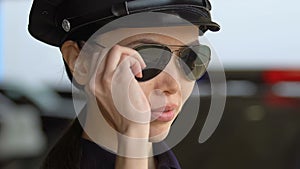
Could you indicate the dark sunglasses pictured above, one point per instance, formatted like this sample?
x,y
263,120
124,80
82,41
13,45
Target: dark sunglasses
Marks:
x,y
192,60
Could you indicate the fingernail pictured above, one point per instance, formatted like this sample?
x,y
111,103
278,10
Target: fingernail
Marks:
x,y
139,75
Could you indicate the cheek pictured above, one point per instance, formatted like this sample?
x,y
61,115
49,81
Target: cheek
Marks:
x,y
187,88
147,87
155,96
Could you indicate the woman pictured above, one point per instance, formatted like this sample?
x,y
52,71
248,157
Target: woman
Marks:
x,y
137,71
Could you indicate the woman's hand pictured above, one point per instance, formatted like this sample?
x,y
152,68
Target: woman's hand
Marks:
x,y
124,105
119,96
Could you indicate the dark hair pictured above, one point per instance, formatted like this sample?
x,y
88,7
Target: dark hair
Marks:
x,y
66,153
70,76
80,44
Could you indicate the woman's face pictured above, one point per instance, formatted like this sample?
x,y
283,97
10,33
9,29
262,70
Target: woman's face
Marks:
x,y
166,92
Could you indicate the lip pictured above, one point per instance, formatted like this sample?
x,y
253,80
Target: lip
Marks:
x,y
164,114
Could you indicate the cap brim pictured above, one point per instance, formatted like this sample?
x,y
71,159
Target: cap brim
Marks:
x,y
204,23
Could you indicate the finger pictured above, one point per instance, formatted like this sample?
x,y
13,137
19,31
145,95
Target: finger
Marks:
x,y
115,55
107,67
128,68
98,73
133,64
128,96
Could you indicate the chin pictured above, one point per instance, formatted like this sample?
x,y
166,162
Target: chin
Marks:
x,y
159,133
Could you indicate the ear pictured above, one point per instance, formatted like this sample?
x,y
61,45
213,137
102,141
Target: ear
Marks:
x,y
77,66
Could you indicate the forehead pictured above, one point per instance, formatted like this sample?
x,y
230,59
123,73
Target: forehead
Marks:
x,y
166,35
150,38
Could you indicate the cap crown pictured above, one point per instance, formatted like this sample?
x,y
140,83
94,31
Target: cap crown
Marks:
x,y
53,21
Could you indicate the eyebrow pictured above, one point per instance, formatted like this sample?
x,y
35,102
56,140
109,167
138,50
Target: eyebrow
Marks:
x,y
143,41
150,41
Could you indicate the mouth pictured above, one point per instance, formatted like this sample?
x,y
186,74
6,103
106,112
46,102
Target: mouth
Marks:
x,y
164,114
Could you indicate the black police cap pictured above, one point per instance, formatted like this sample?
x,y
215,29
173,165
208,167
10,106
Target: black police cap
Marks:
x,y
54,21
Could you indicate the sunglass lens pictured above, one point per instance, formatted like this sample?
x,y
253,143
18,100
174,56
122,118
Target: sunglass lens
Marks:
x,y
194,61
156,59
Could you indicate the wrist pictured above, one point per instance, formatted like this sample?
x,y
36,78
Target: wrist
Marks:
x,y
137,131
133,147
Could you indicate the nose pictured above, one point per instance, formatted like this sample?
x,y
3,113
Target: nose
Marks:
x,y
167,84
168,80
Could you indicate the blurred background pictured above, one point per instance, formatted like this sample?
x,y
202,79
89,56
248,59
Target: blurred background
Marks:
x,y
258,46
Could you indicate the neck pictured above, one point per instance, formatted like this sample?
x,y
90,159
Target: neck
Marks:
x,y
98,130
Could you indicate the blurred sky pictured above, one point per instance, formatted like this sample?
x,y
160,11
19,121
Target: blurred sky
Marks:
x,y
1,45
255,35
